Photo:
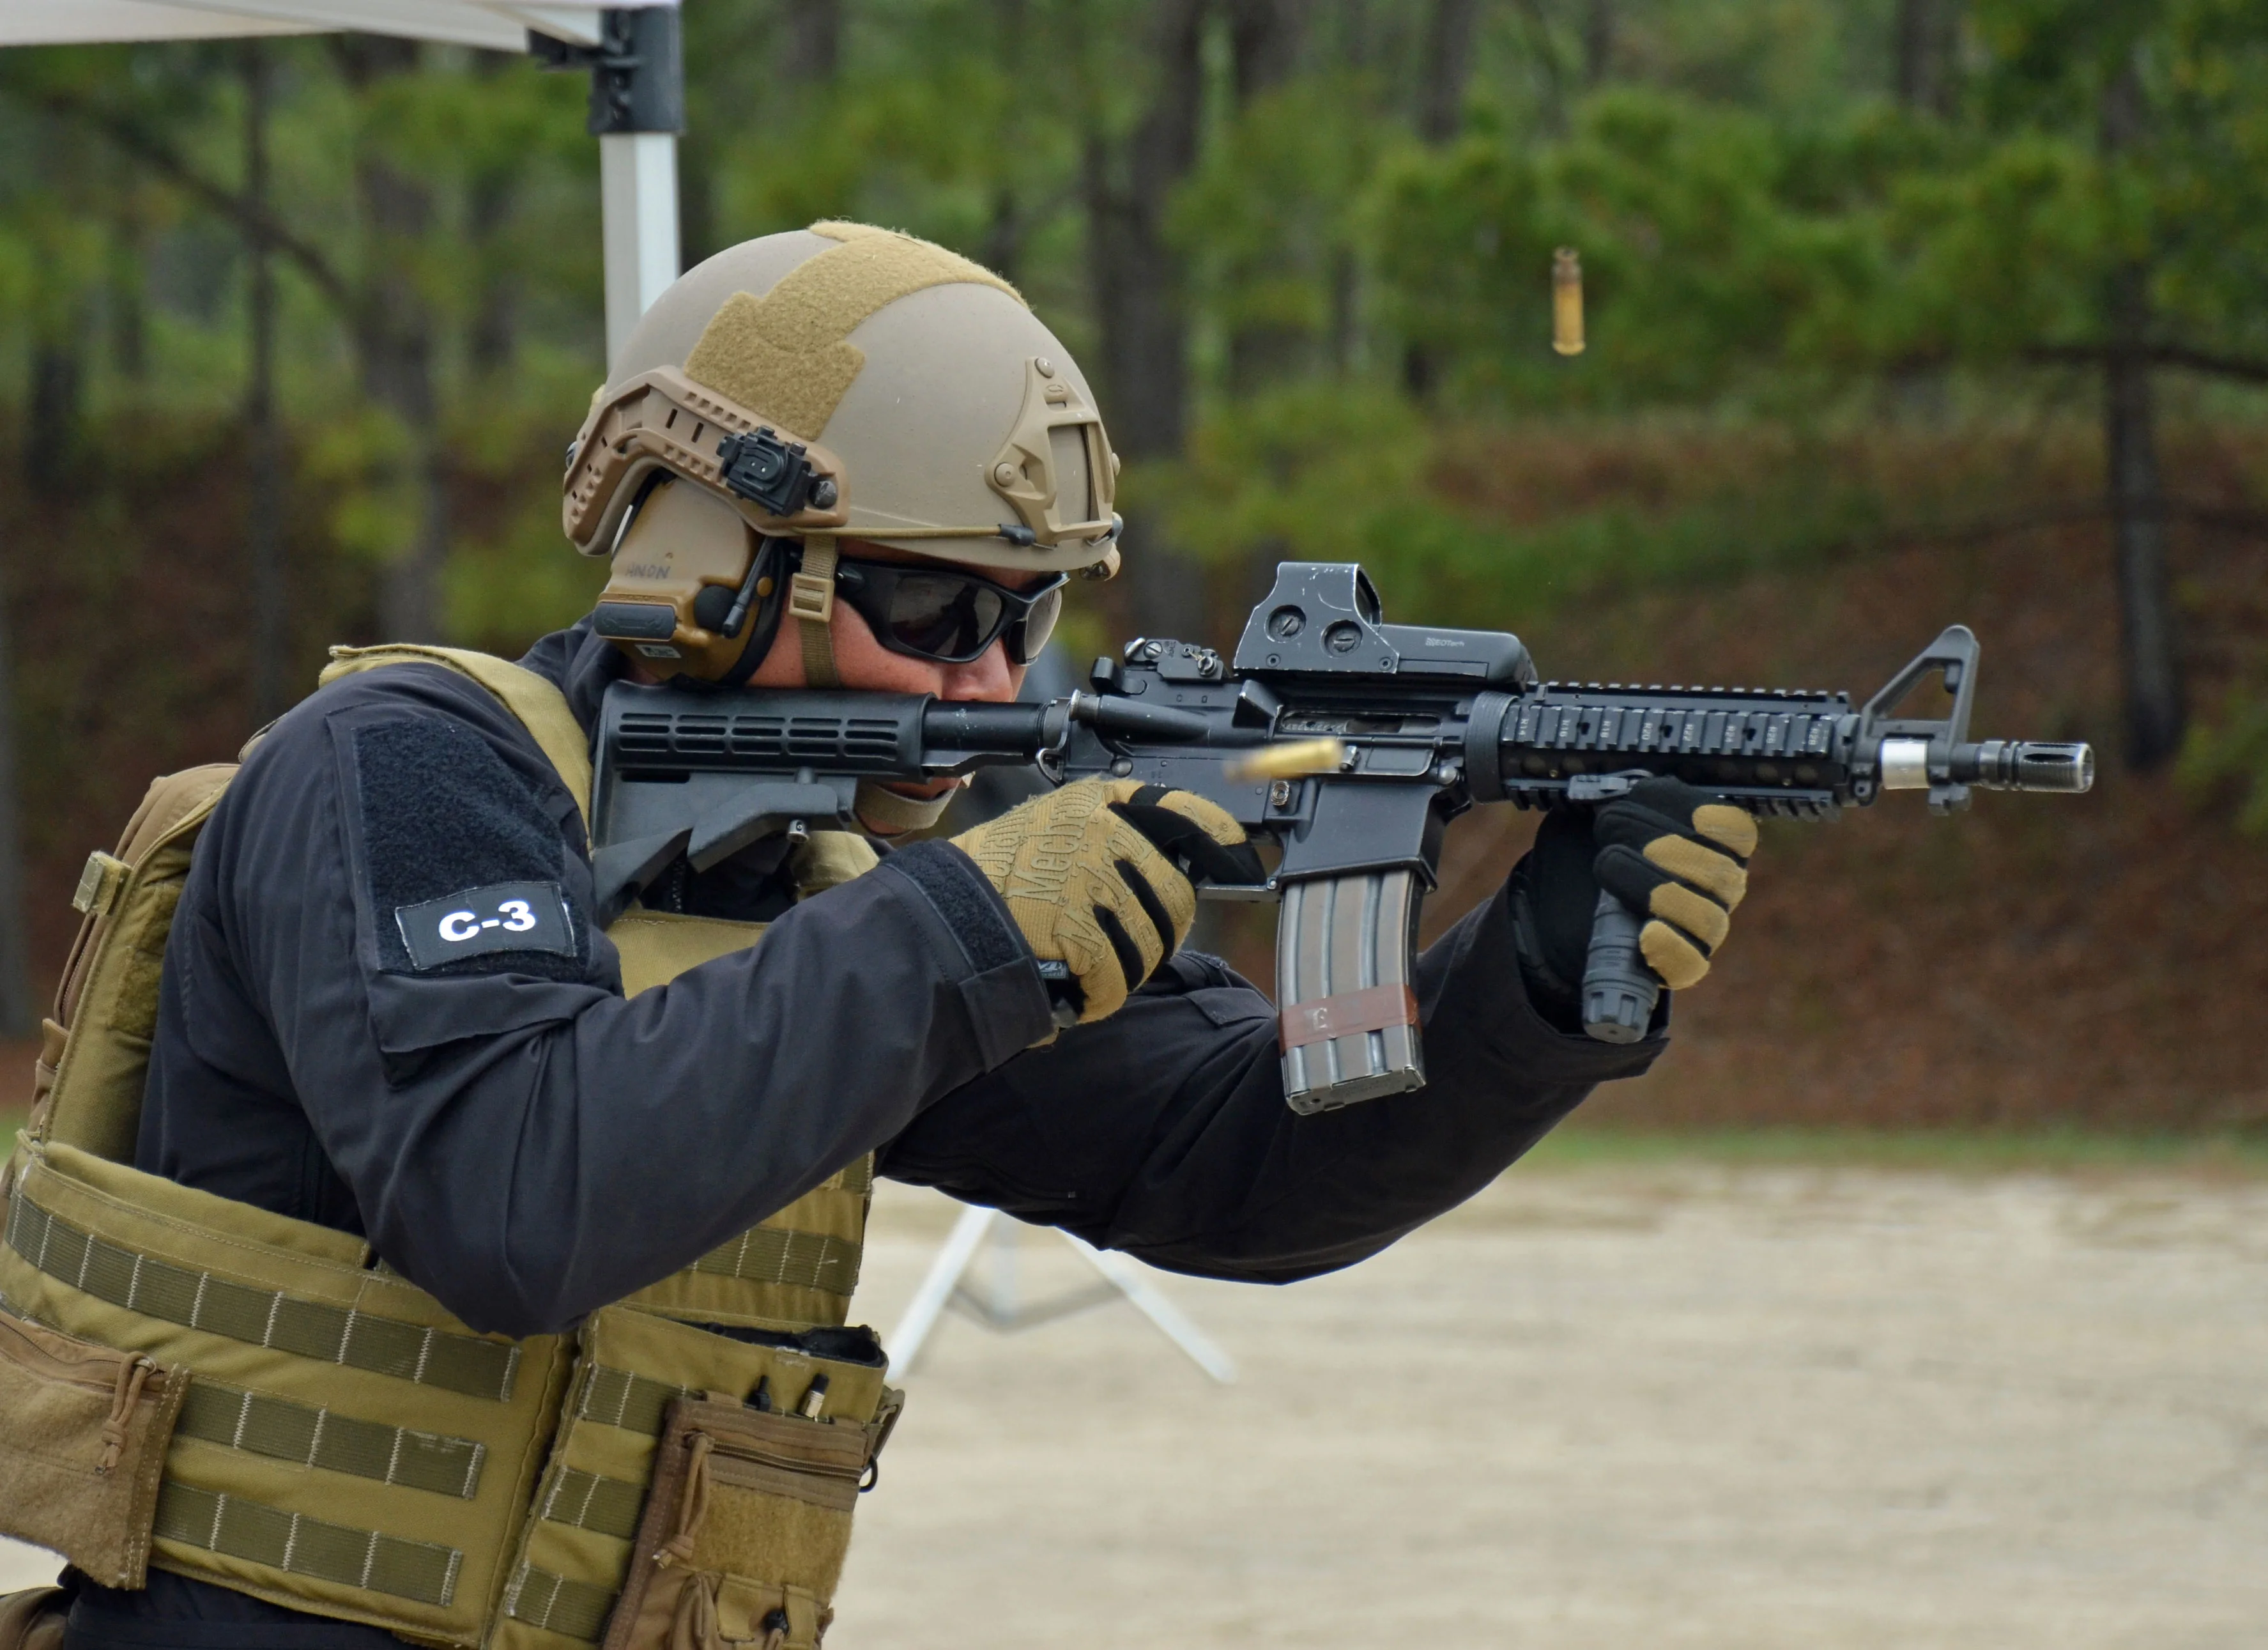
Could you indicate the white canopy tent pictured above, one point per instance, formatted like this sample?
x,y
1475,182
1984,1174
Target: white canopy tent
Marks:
x,y
637,138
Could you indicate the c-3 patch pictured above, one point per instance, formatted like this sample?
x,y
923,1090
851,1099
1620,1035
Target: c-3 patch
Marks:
x,y
502,916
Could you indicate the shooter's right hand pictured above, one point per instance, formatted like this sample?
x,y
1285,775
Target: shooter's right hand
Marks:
x,y
1100,876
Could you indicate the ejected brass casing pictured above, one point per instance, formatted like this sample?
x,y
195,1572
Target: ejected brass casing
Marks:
x,y
1289,760
1567,301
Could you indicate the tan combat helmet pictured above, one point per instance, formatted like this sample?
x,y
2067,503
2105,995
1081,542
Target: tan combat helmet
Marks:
x,y
841,381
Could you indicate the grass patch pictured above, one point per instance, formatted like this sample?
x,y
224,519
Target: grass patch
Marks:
x,y
1943,1151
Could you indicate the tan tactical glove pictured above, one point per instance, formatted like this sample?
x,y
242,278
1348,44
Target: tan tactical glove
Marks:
x,y
1100,876
1680,859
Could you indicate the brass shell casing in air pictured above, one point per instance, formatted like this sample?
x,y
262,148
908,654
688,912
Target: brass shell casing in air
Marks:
x,y
1567,301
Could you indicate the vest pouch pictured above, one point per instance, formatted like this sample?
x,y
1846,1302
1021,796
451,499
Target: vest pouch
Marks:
x,y
745,1530
85,1430
582,1548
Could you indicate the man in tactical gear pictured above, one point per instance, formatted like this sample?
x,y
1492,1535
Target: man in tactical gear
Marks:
x,y
611,1155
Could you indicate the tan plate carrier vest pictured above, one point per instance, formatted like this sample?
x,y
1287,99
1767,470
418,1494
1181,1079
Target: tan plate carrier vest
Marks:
x,y
347,1447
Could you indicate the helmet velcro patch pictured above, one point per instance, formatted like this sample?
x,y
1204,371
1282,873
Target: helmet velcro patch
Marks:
x,y
787,355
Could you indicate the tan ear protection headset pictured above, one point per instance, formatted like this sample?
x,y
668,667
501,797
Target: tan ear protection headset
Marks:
x,y
697,590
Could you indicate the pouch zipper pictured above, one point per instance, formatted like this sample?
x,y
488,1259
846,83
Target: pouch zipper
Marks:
x,y
733,1450
123,1388
44,1363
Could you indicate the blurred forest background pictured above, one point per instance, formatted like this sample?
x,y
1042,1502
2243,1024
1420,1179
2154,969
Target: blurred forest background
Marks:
x,y
1901,312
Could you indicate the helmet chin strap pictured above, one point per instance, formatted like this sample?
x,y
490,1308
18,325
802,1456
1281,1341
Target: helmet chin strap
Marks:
x,y
811,600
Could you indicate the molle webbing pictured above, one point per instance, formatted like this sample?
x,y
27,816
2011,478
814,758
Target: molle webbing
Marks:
x,y
585,1501
262,1317
615,1397
365,1560
798,1260
577,1609
795,1269
311,1437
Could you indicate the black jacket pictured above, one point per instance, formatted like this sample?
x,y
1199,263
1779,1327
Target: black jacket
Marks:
x,y
516,1136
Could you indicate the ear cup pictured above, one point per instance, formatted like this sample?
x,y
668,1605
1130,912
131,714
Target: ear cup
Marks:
x,y
677,571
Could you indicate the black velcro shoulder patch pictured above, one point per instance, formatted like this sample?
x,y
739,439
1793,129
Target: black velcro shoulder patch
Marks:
x,y
445,818
502,916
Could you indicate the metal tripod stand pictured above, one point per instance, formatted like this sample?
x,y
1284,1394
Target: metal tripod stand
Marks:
x,y
998,1307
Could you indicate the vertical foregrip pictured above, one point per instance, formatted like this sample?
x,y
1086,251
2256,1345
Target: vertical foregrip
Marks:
x,y
1619,991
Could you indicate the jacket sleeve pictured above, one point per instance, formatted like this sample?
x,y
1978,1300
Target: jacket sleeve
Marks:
x,y
517,1137
1163,1132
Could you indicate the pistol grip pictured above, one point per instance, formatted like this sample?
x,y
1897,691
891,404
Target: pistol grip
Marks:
x,y
1347,1015
1619,991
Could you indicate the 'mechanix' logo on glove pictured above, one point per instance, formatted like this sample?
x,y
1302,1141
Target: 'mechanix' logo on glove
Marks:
x,y
502,916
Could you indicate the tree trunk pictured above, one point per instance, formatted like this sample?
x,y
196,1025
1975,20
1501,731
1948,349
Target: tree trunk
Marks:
x,y
1926,33
2156,714
2156,711
1138,301
814,54
1264,39
1450,29
1006,229
126,282
59,322
1443,70
1265,42
696,202
51,439
1598,41
47,442
1357,43
490,195
395,337
270,644
19,1015
1346,312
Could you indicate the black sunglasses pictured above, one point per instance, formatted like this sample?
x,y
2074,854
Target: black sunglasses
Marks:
x,y
947,614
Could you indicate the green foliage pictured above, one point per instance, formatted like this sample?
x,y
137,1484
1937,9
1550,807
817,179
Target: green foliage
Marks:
x,y
1332,469
1271,221
2009,250
1705,267
1776,254
1767,255
2230,753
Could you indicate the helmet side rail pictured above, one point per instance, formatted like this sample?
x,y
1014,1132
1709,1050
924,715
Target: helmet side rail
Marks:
x,y
1341,743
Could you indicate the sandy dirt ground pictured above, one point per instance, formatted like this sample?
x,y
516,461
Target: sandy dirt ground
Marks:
x,y
1669,1405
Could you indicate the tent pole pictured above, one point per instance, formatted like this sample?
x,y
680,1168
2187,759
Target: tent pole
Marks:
x,y
638,185
637,109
